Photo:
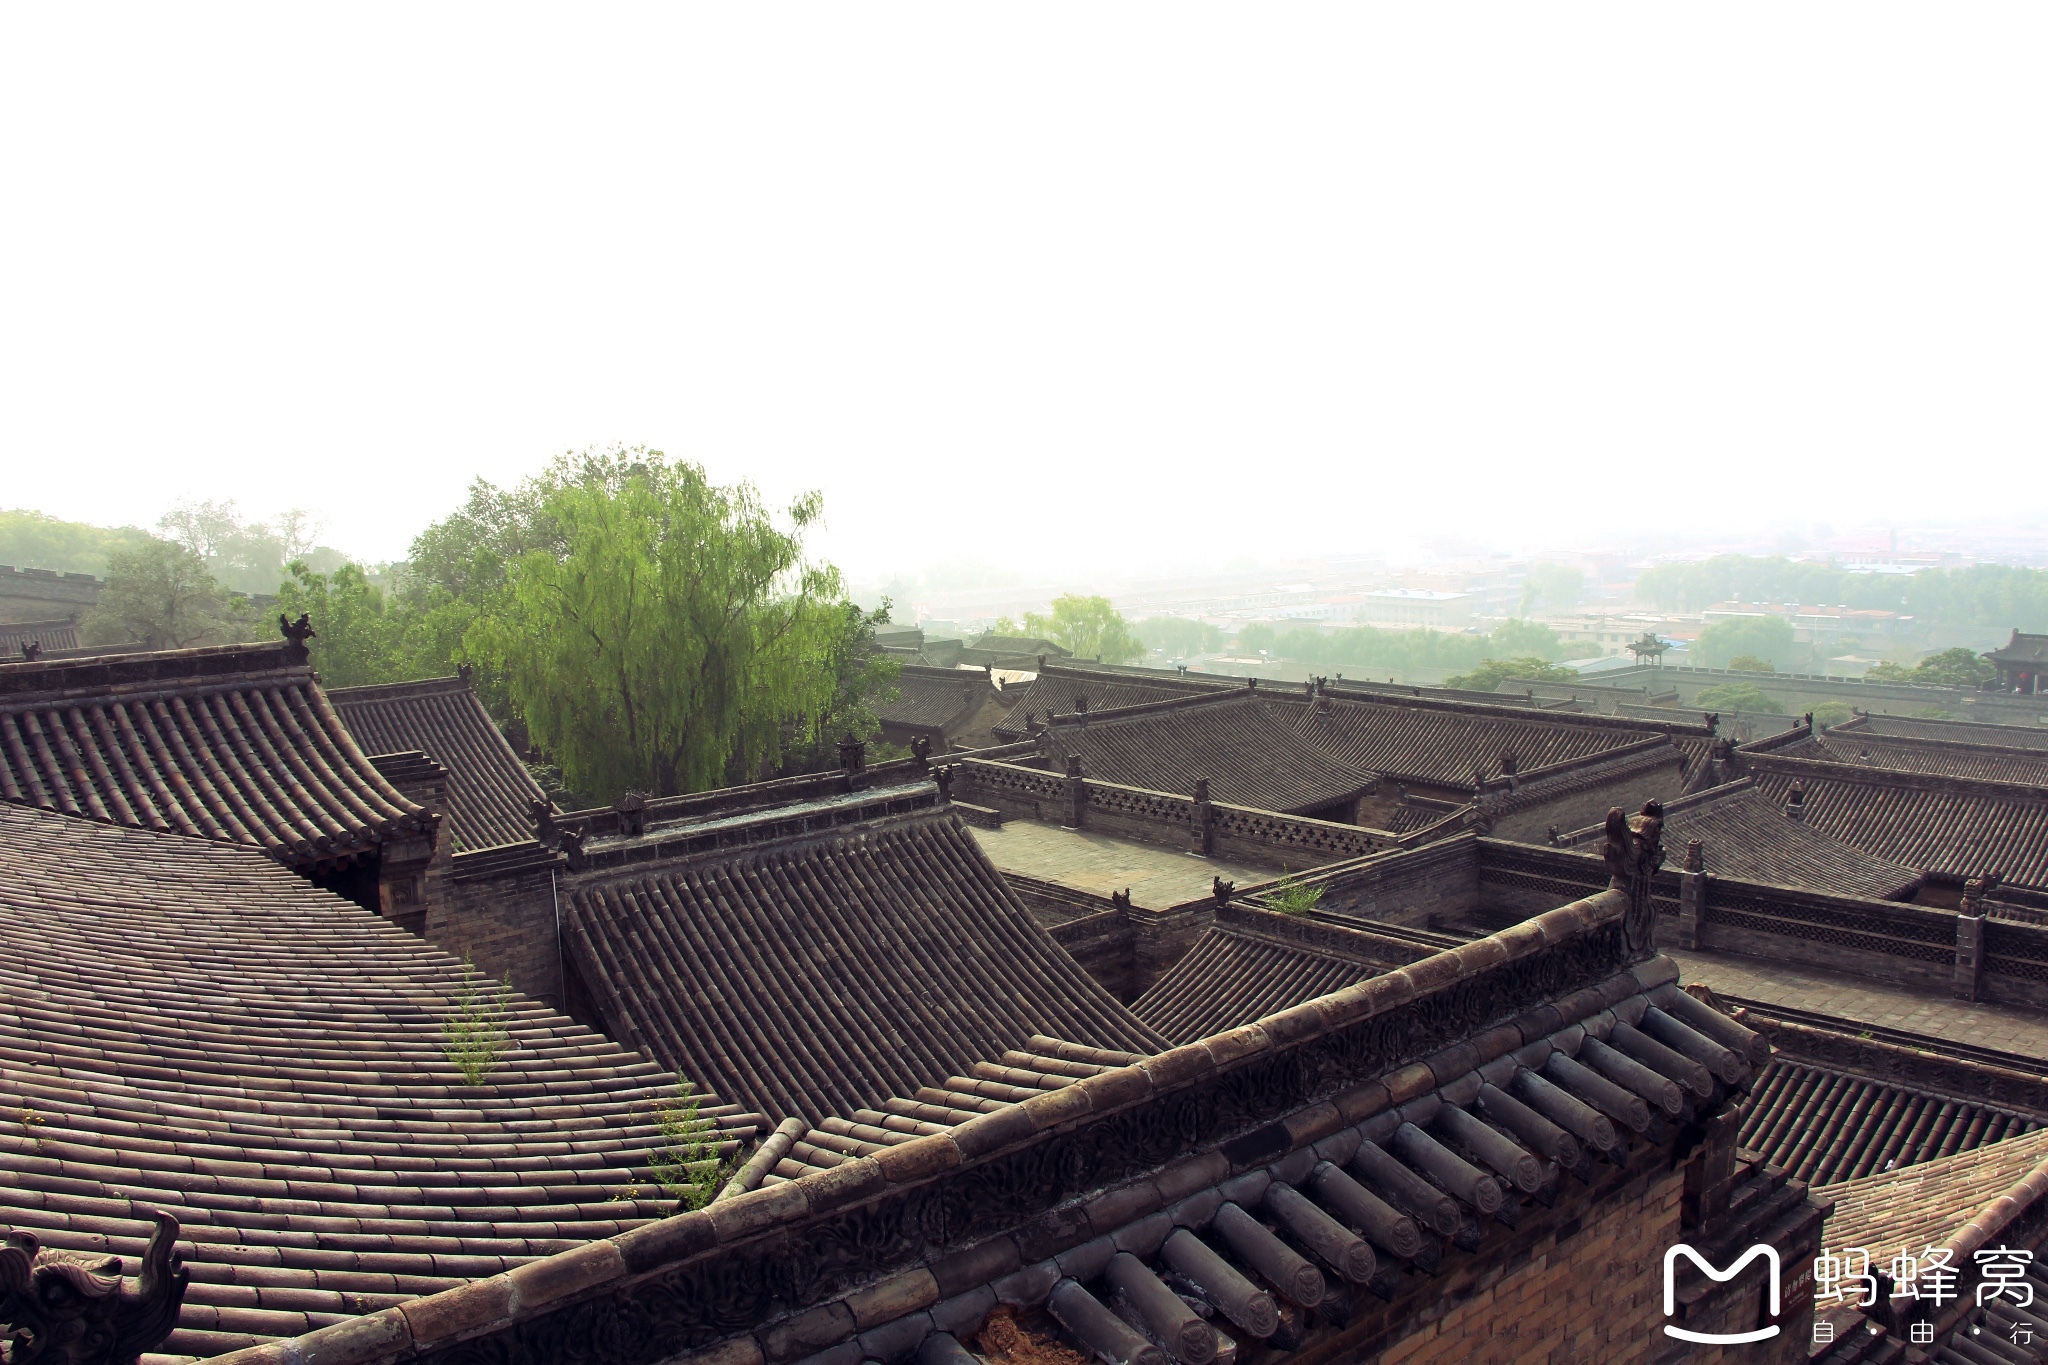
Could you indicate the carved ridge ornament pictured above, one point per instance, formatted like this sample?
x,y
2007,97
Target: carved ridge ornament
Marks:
x,y
76,1308
718,1295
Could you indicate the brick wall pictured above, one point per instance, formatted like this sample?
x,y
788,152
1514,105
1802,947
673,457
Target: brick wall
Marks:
x,y
1586,1287
1104,944
1420,889
1589,805
506,924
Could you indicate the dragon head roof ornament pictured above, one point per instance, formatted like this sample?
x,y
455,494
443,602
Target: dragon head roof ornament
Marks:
x,y
78,1308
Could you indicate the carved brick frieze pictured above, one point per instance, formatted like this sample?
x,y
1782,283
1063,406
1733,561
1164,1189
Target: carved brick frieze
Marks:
x,y
1790,909
1817,933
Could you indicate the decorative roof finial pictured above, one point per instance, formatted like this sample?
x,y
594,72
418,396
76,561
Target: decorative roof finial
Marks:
x,y
296,633
75,1307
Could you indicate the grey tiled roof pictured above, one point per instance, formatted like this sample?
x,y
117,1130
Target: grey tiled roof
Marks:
x,y
808,974
1252,963
236,743
1747,837
1955,826
489,789
1249,756
185,1024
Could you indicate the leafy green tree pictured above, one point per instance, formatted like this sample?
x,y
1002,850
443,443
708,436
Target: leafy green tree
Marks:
x,y
1089,626
1176,635
1525,639
1832,712
459,570
1257,636
160,596
1768,638
36,540
1737,697
358,639
1491,673
1985,597
863,678
1553,587
1956,667
1750,663
671,635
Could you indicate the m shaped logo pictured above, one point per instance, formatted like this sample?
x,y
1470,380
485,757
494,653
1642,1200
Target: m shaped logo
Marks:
x,y
1770,1255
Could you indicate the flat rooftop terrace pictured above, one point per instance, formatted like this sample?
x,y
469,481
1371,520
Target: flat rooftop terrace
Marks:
x,y
1086,861
1868,1002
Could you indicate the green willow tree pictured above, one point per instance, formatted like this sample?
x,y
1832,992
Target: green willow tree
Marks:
x,y
671,637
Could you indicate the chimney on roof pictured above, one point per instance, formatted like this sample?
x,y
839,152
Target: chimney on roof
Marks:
x,y
1795,803
1080,703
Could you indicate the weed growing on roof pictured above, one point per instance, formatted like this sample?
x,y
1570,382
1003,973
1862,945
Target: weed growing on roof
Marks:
x,y
1290,897
473,1035
687,1164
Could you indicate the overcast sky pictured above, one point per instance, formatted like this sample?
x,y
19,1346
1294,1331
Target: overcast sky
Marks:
x,y
1096,282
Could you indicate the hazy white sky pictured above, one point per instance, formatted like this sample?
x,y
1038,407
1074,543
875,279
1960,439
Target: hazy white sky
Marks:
x,y
1086,281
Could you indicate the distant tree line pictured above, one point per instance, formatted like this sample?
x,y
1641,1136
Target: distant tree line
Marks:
x,y
1371,648
1983,597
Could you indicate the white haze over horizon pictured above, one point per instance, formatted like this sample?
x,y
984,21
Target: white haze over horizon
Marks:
x,y
1086,286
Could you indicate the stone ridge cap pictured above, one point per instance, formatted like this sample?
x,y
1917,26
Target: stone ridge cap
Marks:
x,y
777,793
103,672
1647,744
655,851
1562,780
1871,775
1138,709
1792,734
1677,805
1193,682
1929,742
776,1213
1504,711
418,687
1300,932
